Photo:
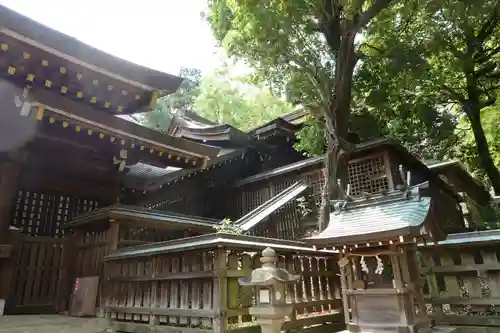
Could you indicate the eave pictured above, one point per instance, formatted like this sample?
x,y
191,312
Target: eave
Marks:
x,y
126,134
216,240
394,216
462,181
143,217
37,54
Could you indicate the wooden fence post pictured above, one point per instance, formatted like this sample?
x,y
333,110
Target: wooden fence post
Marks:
x,y
220,292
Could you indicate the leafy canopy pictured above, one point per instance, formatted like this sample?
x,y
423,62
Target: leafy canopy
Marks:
x,y
227,98
435,67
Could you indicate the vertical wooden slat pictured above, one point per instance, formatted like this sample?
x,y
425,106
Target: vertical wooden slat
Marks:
x,y
471,280
299,290
334,289
208,289
431,280
232,286
184,289
450,281
246,293
31,272
47,273
316,293
129,295
38,274
153,304
308,287
220,293
174,291
165,286
490,257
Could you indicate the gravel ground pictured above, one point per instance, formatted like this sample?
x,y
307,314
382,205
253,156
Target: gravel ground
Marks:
x,y
52,324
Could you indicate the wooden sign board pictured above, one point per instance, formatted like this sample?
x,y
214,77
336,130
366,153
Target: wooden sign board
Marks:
x,y
84,296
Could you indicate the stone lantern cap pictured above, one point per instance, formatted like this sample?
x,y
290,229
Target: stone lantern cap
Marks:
x,y
268,274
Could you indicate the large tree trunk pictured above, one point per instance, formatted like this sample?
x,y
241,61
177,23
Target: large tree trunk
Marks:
x,y
337,119
482,147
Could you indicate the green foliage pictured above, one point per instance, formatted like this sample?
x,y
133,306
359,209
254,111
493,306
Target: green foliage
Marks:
x,y
311,138
229,99
285,42
228,227
466,150
425,66
492,217
182,99
220,96
431,70
304,205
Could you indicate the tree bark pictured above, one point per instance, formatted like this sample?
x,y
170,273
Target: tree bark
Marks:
x,y
340,34
338,119
482,147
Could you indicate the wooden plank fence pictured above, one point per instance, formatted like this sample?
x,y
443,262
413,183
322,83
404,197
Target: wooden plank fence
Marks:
x,y
463,279
197,290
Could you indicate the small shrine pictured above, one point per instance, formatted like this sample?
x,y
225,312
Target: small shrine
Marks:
x,y
377,237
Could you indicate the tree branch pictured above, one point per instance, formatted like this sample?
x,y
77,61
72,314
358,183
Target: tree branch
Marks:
x,y
382,52
370,13
490,25
487,68
330,27
453,93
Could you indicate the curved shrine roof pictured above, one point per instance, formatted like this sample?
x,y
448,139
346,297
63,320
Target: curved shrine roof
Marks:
x,y
369,220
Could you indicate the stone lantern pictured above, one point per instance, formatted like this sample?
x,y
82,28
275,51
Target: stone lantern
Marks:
x,y
270,307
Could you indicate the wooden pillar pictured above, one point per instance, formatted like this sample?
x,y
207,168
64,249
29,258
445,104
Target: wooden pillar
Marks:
x,y
9,173
113,236
220,323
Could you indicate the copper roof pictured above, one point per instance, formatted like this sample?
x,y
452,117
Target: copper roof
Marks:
x,y
385,216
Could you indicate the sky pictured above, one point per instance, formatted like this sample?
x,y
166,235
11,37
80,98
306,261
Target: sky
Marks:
x,y
161,34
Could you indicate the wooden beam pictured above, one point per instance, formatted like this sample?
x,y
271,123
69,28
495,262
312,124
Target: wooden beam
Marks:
x,y
121,127
32,180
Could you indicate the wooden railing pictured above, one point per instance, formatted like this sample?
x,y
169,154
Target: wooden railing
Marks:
x,y
463,279
192,284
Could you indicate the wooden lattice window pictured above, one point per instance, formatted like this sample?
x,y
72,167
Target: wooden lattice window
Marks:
x,y
316,182
44,214
368,175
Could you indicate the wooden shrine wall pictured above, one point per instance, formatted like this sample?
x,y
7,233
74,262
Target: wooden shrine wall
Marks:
x,y
368,174
40,208
202,193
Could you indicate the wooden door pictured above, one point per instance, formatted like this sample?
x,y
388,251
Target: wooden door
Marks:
x,y
39,267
